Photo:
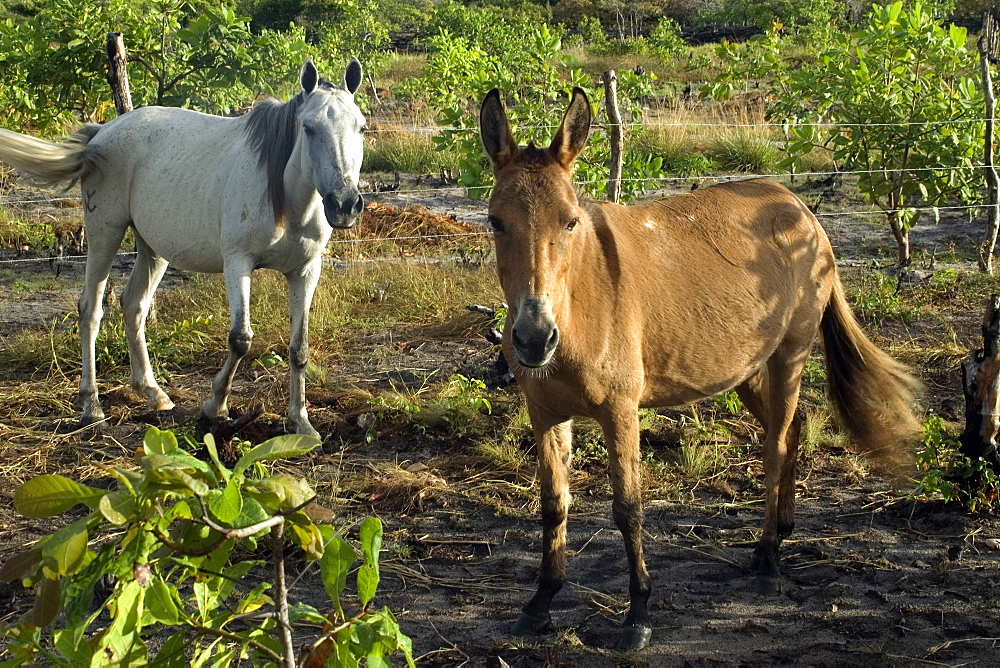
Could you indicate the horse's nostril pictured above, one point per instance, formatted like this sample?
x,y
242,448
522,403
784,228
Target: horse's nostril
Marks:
x,y
359,205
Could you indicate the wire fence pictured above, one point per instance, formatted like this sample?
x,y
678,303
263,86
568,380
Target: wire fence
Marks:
x,y
658,183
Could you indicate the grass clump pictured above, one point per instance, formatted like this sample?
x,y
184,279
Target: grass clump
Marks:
x,y
394,149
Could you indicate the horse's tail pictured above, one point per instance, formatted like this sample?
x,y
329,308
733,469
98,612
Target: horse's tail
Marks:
x,y
872,393
46,162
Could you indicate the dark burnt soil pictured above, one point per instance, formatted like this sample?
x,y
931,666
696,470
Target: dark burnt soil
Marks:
x,y
870,578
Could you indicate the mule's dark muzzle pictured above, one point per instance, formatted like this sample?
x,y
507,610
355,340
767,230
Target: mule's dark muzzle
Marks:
x,y
535,334
343,212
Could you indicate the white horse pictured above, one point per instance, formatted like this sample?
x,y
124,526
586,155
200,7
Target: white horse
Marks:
x,y
210,194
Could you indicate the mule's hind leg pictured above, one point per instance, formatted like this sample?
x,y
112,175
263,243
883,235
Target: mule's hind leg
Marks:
x,y
104,235
772,396
237,272
136,299
553,436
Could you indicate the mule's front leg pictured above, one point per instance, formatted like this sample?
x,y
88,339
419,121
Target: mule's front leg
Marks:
x,y
301,286
554,437
237,272
621,434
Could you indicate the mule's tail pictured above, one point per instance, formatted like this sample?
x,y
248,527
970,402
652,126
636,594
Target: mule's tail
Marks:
x,y
45,162
872,393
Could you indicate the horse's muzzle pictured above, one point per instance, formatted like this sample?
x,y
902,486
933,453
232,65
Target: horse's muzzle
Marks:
x,y
535,334
343,212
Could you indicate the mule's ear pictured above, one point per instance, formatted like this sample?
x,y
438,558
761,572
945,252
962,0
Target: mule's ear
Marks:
x,y
494,129
352,76
574,130
308,76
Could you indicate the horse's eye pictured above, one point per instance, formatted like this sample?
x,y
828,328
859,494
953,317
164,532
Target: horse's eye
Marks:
x,y
495,224
571,224
364,129
308,129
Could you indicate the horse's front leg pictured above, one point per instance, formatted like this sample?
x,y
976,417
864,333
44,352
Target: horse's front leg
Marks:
x,y
554,437
237,272
301,286
621,435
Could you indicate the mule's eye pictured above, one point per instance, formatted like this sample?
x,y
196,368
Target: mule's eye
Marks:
x,y
571,224
495,224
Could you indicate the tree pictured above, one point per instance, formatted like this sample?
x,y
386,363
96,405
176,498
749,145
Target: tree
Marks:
x,y
902,109
196,53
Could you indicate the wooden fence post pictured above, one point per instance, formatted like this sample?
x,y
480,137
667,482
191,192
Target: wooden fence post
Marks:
x,y
981,385
987,45
615,125
118,73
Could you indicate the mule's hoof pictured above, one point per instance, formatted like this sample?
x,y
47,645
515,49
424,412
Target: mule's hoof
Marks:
x,y
634,637
528,625
768,585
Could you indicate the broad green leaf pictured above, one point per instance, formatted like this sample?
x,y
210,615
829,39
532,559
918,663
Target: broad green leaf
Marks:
x,y
227,504
73,646
48,495
118,507
306,536
160,442
251,513
338,557
368,574
160,602
213,452
63,552
164,474
20,564
46,606
280,447
121,644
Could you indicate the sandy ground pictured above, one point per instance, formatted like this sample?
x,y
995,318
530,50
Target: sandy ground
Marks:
x,y
870,579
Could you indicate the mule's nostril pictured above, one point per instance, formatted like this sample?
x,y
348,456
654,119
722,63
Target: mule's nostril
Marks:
x,y
516,337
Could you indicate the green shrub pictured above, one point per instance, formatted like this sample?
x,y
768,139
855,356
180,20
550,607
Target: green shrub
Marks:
x,y
168,532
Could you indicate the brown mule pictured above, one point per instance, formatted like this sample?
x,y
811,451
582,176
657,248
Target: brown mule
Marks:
x,y
614,307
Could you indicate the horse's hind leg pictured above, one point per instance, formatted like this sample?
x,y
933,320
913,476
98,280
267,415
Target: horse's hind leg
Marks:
x,y
301,286
136,299
773,396
104,238
237,272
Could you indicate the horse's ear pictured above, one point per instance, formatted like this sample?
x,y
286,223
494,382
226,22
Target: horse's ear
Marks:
x,y
352,76
308,76
574,130
494,129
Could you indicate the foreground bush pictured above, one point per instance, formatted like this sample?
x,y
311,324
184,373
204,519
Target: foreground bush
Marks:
x,y
169,533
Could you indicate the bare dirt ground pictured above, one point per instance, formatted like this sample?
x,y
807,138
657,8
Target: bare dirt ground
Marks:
x,y
871,579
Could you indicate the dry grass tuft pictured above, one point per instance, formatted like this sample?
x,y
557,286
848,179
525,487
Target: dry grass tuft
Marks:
x,y
409,230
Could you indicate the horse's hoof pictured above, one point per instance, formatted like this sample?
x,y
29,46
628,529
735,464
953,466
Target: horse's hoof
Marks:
x,y
768,585
634,637
528,624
